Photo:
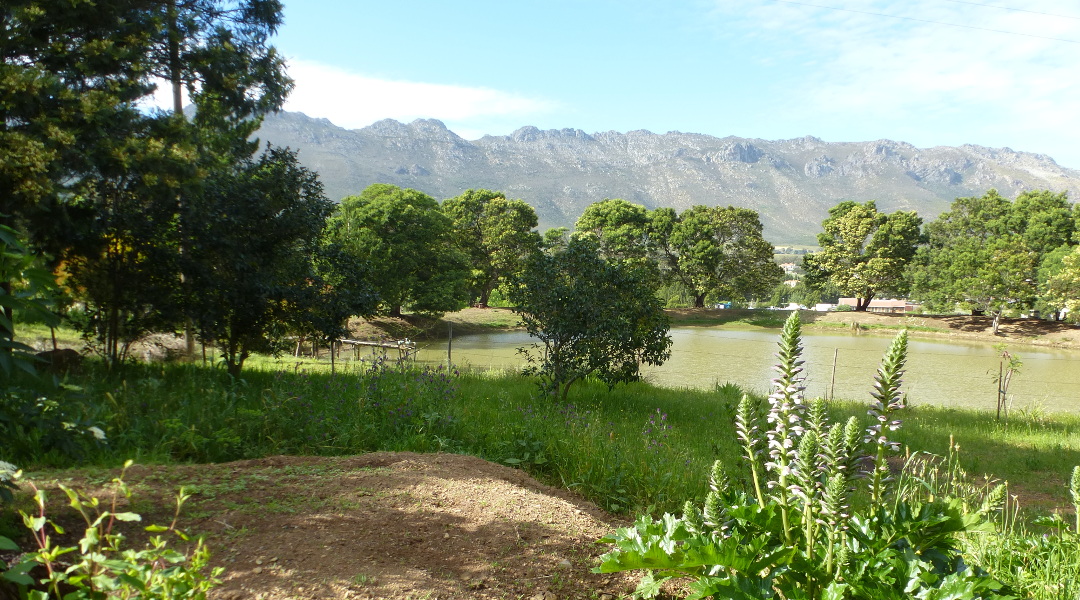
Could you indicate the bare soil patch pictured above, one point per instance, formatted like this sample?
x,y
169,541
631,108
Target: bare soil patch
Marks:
x,y
1037,332
462,322
379,525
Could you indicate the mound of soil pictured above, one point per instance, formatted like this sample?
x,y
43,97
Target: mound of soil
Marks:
x,y
380,525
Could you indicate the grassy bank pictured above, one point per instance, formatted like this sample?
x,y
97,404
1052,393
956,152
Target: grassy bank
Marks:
x,y
637,448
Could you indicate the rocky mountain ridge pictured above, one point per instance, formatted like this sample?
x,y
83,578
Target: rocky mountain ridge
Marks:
x,y
791,183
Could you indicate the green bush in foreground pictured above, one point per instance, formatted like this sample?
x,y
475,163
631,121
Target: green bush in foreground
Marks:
x,y
805,534
100,567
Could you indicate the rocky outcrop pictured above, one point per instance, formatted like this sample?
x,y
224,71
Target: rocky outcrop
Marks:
x,y
791,183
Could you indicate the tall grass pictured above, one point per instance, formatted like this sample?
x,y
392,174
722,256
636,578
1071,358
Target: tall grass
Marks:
x,y
632,447
635,448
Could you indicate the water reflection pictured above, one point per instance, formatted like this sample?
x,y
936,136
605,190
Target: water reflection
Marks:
x,y
949,373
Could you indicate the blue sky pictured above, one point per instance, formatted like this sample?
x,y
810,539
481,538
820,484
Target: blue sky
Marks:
x,y
928,72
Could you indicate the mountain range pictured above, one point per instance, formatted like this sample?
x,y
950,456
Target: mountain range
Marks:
x,y
791,183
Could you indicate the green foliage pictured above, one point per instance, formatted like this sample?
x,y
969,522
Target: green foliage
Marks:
x,y
497,234
8,486
407,243
808,538
717,252
593,317
68,79
985,251
253,238
100,566
863,252
25,294
124,265
50,429
622,230
103,184
1060,283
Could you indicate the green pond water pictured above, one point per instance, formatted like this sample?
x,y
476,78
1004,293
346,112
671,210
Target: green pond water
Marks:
x,y
938,372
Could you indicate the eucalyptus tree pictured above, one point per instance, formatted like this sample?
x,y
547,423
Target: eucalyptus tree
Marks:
x,y
407,243
864,253
497,235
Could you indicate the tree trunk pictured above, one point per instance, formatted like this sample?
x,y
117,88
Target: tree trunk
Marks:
x,y
395,311
699,300
861,304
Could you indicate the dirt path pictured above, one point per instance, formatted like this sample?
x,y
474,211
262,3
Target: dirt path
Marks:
x,y
382,525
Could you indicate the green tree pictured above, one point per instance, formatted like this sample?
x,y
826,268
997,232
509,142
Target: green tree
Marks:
x,y
978,254
1043,219
406,241
76,151
593,317
717,251
621,228
497,234
337,290
253,239
28,297
69,74
864,253
1061,288
555,239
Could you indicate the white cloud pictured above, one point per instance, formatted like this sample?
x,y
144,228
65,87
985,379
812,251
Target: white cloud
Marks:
x,y
352,100
917,78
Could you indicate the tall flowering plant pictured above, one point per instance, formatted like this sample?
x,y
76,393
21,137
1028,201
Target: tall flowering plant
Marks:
x,y
798,534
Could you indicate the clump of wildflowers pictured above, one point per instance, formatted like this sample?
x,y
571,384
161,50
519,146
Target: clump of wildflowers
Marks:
x,y
1074,494
887,400
656,431
785,413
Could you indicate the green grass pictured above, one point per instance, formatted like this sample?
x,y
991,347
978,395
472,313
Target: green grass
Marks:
x,y
636,448
632,447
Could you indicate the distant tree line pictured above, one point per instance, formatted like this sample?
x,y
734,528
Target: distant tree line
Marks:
x,y
986,254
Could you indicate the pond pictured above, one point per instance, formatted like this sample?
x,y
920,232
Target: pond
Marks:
x,y
949,373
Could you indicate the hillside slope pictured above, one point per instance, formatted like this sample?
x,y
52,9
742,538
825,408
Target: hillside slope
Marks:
x,y
792,183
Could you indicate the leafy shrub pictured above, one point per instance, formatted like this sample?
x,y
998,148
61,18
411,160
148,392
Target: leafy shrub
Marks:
x,y
99,566
38,428
802,532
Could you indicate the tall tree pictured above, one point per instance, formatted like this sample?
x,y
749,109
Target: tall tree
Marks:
x,y
1044,220
218,51
497,234
719,252
982,254
75,148
593,317
864,253
69,75
252,241
406,241
1059,281
622,230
